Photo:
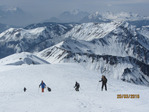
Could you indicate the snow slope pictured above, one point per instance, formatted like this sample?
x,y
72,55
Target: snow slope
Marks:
x,y
115,38
61,79
145,31
90,31
22,58
117,47
123,68
121,51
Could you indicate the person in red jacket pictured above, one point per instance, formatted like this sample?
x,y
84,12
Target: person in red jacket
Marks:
x,y
42,85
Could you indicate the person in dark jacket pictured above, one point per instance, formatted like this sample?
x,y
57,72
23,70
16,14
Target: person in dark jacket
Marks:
x,y
42,85
104,82
77,86
24,89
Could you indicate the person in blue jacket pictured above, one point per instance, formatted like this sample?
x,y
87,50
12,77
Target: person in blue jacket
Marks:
x,y
42,85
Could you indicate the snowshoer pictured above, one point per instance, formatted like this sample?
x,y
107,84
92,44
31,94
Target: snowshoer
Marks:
x,y
77,86
104,82
43,85
24,89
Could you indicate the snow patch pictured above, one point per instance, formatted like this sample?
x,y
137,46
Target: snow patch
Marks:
x,y
22,58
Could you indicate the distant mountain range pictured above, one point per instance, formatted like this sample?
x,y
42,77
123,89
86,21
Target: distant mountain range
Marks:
x,y
32,38
69,16
117,46
14,16
85,17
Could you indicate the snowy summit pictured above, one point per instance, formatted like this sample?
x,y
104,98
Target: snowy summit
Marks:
x,y
99,64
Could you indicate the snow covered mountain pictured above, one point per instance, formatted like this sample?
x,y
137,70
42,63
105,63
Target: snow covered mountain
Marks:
x,y
60,54
115,38
14,16
118,50
73,16
32,38
121,16
145,31
125,68
94,17
5,11
90,31
79,16
22,58
140,23
69,16
109,16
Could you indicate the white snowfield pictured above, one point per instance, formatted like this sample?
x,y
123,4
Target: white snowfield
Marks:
x,y
63,98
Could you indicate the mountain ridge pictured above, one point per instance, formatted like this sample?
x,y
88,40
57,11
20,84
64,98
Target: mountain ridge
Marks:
x,y
118,48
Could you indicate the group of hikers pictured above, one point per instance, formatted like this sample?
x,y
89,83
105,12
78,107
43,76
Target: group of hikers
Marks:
x,y
77,85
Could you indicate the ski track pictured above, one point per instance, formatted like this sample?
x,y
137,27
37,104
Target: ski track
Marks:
x,y
63,98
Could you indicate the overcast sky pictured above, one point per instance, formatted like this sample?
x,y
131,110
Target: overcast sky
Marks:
x,y
49,8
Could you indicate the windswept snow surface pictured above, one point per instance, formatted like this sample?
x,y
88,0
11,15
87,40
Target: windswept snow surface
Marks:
x,y
63,98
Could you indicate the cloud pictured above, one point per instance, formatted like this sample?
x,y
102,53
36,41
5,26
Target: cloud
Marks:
x,y
117,2
44,9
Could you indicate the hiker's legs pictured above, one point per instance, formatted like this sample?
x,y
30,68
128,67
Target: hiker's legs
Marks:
x,y
102,87
106,87
42,89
